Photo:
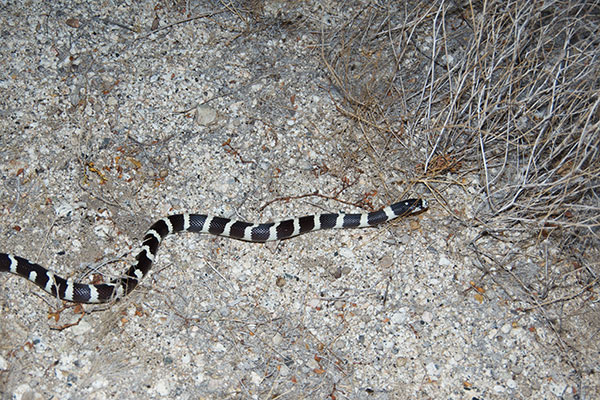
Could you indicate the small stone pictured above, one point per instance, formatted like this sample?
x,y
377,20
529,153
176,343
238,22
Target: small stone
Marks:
x,y
506,328
25,392
427,317
162,387
336,272
432,369
399,317
558,388
346,252
312,364
255,378
444,262
277,339
219,348
100,382
81,328
73,22
314,303
386,262
205,115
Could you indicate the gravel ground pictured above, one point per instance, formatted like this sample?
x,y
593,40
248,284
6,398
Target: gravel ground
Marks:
x,y
108,126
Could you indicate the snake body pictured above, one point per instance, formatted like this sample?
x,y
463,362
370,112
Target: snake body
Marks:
x,y
66,289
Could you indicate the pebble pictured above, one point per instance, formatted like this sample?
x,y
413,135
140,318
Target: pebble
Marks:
x,y
277,339
24,392
284,370
432,369
427,317
81,328
506,328
312,364
219,348
346,252
162,387
444,262
399,317
558,388
205,115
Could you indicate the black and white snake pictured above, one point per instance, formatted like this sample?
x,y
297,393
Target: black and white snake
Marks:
x,y
66,289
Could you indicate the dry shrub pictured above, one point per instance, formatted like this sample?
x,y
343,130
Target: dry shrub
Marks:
x,y
503,91
512,86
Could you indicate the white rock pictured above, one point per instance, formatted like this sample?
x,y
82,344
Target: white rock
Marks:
x,y
346,252
427,316
444,262
312,364
100,382
432,369
219,348
255,378
277,339
23,392
162,387
81,328
399,317
205,115
558,388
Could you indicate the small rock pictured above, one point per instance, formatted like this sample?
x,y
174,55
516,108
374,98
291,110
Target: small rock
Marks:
x,y
558,388
444,262
427,317
205,115
219,348
399,317
277,339
432,369
73,22
81,328
346,252
255,378
162,387
312,364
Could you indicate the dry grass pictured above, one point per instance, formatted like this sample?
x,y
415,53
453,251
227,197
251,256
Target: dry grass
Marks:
x,y
506,93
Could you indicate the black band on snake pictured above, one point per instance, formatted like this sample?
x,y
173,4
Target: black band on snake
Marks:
x,y
66,289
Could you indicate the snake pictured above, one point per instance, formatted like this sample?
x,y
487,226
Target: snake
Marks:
x,y
77,292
